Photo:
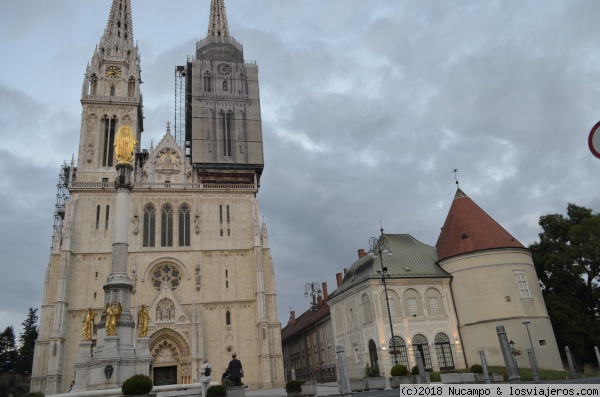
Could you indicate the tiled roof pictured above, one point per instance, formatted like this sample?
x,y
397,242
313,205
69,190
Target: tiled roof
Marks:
x,y
306,320
468,228
410,259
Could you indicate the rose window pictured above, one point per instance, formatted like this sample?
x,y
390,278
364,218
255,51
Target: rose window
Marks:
x,y
166,273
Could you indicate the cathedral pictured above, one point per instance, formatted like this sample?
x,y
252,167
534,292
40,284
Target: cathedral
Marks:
x,y
197,268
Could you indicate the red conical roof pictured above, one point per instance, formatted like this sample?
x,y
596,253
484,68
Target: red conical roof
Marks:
x,y
468,228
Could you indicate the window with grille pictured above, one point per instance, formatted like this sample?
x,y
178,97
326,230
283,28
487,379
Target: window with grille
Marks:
x,y
444,352
412,306
398,348
523,285
434,307
420,343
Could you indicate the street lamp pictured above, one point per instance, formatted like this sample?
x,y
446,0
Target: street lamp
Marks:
x,y
379,247
313,290
526,323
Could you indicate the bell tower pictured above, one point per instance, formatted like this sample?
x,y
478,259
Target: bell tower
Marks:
x,y
223,121
110,97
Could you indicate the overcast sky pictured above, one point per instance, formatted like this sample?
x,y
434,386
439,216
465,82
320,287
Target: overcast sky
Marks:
x,y
367,106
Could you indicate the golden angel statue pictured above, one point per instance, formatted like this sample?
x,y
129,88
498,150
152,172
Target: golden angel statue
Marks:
x,y
143,321
88,325
111,319
125,145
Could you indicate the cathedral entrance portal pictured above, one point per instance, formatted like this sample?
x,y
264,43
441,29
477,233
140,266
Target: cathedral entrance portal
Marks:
x,y
171,358
165,375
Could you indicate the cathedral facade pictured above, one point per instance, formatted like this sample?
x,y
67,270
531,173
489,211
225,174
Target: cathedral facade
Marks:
x,y
198,254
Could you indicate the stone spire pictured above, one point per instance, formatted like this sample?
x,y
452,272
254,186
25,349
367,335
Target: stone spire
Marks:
x,y
217,24
118,34
218,45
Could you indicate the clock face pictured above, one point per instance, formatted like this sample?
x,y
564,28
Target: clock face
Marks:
x,y
113,71
224,68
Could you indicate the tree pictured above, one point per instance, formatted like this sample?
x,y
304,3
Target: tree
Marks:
x,y
27,342
567,261
8,352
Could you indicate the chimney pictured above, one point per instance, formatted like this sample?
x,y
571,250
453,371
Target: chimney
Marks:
x,y
325,293
361,253
345,270
292,319
320,300
338,278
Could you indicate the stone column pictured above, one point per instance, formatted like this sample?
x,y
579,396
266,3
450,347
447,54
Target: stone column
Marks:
x,y
486,374
344,379
509,361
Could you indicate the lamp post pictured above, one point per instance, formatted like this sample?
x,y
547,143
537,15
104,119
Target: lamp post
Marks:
x,y
313,290
526,324
378,248
532,358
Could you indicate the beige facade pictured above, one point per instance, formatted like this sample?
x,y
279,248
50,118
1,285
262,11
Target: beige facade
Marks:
x,y
421,311
198,259
493,288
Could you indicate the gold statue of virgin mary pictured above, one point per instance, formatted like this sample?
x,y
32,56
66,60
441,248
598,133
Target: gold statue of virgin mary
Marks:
x,y
125,145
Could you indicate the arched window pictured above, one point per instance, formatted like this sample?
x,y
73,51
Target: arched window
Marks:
x,y
412,302
244,87
207,82
149,225
435,304
420,343
444,352
166,226
165,310
227,128
225,85
108,137
373,354
184,225
398,349
131,87
227,317
112,90
365,306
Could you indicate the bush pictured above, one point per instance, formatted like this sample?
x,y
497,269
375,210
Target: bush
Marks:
x,y
399,370
415,370
476,369
216,391
226,382
294,386
371,371
137,384
435,377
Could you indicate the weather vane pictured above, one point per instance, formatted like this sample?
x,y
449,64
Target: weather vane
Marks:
x,y
455,170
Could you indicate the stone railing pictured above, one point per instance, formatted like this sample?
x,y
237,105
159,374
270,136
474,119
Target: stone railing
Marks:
x,y
166,186
111,98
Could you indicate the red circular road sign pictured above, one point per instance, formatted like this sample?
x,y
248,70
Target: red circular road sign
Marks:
x,y
594,140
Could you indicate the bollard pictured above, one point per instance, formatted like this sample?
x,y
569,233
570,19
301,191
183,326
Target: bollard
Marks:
x,y
597,355
509,361
422,374
534,367
344,379
486,374
571,363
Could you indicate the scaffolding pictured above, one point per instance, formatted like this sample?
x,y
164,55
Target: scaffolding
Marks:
x,y
180,80
62,197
